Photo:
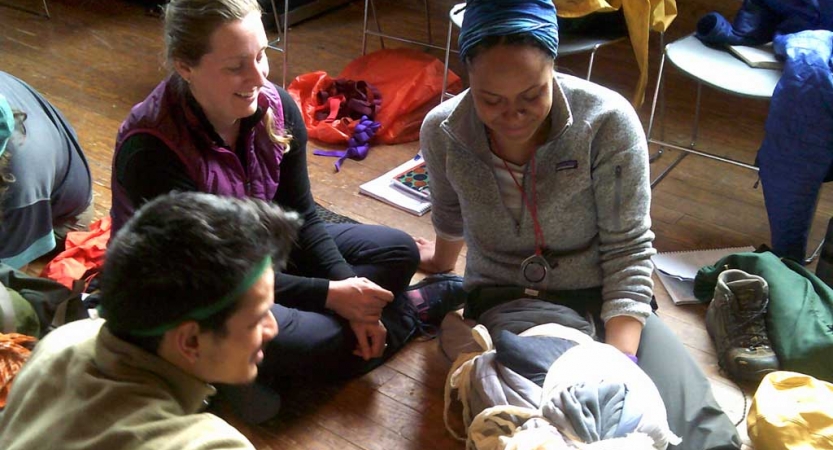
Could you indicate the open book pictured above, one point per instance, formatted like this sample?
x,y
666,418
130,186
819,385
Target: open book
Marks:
x,y
759,56
384,188
676,270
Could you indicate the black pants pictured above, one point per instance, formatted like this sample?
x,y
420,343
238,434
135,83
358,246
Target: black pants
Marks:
x,y
320,344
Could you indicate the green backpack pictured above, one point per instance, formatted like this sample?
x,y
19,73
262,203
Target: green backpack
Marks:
x,y
800,317
34,306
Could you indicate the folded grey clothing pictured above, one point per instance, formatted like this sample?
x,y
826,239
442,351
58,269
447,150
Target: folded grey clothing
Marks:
x,y
498,385
530,356
522,314
592,410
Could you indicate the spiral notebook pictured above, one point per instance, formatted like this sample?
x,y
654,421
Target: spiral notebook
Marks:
x,y
676,270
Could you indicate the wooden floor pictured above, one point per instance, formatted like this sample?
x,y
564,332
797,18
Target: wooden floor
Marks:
x,y
94,59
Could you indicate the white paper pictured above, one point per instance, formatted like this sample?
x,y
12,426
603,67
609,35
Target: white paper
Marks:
x,y
676,270
685,265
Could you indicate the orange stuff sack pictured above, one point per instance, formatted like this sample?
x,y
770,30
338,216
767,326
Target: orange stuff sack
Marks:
x,y
409,82
304,90
14,352
83,256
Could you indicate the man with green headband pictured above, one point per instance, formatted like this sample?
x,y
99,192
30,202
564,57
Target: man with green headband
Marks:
x,y
186,293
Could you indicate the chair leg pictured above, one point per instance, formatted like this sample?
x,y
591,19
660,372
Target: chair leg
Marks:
x,y
447,54
696,127
815,253
662,93
364,29
428,22
592,59
283,37
285,40
655,156
12,5
812,256
659,151
378,25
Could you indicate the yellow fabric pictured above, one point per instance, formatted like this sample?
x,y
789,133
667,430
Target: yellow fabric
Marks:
x,y
641,16
791,411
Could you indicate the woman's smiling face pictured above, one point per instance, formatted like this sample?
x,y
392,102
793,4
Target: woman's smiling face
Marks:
x,y
226,81
512,90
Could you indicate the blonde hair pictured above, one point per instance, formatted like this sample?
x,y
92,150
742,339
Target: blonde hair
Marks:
x,y
188,26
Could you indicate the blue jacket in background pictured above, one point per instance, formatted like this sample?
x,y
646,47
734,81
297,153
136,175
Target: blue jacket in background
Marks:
x,y
796,156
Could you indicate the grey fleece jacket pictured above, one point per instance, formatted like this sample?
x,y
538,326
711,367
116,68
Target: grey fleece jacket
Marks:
x,y
593,191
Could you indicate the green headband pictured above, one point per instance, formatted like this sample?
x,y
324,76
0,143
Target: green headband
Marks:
x,y
209,310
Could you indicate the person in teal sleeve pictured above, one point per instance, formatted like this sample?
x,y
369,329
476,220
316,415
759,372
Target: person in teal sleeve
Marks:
x,y
45,181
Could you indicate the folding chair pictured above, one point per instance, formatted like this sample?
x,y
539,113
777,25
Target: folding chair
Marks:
x,y
718,69
370,8
722,71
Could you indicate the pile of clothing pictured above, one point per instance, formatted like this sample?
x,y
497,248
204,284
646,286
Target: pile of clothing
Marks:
x,y
553,386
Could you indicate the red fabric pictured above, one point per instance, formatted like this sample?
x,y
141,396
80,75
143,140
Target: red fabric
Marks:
x,y
409,82
83,256
14,352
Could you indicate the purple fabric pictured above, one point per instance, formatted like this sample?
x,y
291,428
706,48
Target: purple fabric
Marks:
x,y
353,99
359,144
632,358
166,114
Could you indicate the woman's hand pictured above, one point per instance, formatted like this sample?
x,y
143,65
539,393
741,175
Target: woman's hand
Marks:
x,y
358,299
370,339
438,256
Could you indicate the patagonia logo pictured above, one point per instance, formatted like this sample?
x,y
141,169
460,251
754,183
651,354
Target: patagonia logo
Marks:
x,y
566,165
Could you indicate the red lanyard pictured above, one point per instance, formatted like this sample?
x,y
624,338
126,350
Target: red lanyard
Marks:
x,y
533,206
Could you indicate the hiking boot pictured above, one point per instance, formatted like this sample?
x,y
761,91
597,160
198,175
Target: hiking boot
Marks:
x,y
736,323
435,296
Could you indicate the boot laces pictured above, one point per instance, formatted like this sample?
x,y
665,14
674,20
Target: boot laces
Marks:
x,y
748,327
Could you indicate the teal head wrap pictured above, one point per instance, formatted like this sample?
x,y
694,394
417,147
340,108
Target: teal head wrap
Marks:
x,y
485,18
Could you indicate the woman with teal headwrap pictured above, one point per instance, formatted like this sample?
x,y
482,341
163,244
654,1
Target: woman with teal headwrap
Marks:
x,y
545,178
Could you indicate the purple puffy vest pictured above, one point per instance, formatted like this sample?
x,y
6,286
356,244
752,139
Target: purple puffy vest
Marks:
x,y
216,170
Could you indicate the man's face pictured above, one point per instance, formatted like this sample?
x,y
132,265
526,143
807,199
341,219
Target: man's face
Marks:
x,y
233,358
